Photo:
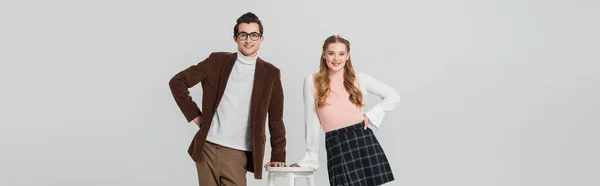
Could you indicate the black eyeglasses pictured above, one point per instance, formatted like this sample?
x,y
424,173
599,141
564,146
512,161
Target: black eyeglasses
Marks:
x,y
244,35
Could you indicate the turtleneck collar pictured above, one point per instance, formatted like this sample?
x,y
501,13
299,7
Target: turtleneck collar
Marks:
x,y
245,59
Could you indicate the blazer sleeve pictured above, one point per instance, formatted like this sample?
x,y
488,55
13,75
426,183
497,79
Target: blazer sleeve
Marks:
x,y
276,125
182,81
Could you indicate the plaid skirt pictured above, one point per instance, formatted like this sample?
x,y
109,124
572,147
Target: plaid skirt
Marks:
x,y
355,157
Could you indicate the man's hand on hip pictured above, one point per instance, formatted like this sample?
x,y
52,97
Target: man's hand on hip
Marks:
x,y
197,121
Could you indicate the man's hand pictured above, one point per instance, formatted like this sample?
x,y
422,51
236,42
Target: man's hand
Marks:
x,y
275,164
366,121
197,121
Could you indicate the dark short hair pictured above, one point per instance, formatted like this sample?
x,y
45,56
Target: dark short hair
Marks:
x,y
248,18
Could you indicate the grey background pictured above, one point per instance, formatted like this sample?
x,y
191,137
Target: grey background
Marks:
x,y
501,93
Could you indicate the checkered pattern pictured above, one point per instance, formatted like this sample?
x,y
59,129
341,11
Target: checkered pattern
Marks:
x,y
355,158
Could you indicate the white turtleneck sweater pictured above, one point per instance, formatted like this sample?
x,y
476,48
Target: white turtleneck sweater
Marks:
x,y
231,124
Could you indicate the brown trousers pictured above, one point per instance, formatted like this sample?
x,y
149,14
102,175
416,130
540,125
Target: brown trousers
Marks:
x,y
221,166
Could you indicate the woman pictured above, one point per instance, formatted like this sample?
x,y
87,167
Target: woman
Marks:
x,y
333,101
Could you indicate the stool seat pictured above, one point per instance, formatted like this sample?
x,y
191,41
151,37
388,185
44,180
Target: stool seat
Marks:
x,y
290,169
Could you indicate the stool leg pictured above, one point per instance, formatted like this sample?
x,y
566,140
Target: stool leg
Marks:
x,y
271,181
292,180
311,180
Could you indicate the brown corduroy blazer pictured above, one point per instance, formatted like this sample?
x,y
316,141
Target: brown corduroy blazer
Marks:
x,y
267,98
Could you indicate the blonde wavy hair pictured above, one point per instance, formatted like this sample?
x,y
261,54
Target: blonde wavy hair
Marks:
x,y
322,77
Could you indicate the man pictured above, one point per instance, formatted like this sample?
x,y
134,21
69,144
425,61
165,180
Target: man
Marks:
x,y
239,90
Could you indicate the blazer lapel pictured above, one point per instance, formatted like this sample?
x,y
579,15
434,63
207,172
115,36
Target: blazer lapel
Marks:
x,y
259,80
225,72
